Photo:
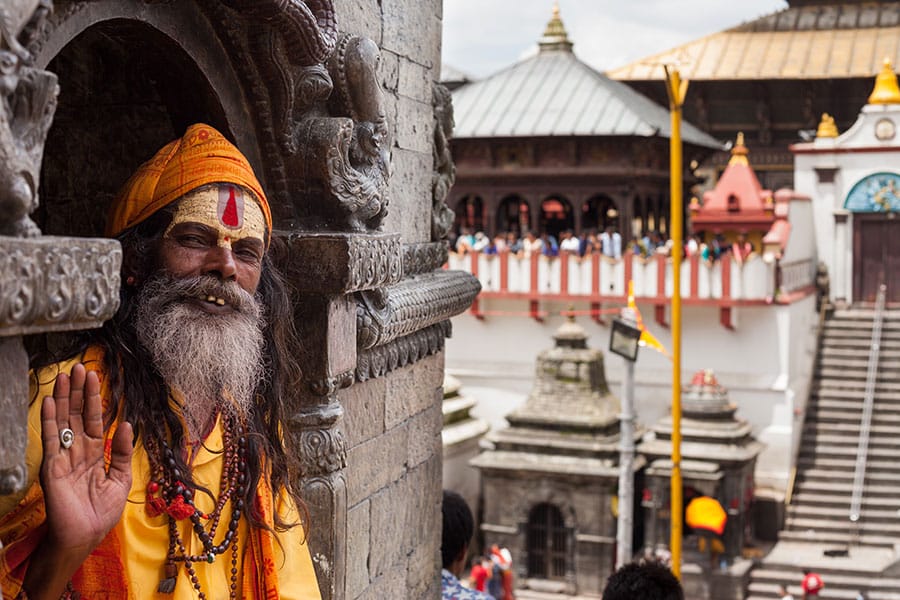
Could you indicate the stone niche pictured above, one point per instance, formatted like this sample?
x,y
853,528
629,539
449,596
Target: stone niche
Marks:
x,y
335,103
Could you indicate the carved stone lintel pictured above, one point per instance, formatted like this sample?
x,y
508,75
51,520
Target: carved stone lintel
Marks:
x,y
413,304
407,350
340,263
424,257
57,284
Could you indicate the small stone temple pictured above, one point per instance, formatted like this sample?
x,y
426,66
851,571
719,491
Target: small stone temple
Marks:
x,y
718,458
550,481
335,103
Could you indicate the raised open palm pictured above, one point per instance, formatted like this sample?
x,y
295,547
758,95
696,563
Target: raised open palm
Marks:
x,y
84,500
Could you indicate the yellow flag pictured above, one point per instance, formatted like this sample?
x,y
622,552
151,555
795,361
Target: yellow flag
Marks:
x,y
647,338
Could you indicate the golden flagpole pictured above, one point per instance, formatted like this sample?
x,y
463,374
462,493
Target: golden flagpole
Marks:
x,y
677,89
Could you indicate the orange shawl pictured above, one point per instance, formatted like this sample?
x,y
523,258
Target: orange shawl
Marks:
x,y
102,575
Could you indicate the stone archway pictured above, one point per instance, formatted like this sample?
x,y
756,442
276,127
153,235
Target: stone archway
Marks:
x,y
132,89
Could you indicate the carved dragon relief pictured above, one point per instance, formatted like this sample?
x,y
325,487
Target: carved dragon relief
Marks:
x,y
348,155
327,112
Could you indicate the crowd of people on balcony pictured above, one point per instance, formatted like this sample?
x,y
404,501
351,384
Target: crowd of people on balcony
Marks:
x,y
607,243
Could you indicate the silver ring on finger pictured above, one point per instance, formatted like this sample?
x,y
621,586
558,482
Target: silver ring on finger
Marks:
x,y
66,438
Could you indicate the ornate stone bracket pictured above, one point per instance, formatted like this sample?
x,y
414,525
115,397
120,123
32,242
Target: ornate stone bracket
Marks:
x,y
381,360
340,263
424,257
411,305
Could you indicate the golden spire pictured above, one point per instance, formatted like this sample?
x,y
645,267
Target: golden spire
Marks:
x,y
827,128
739,152
555,36
886,90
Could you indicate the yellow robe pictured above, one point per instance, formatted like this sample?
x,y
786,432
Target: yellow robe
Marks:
x,y
143,541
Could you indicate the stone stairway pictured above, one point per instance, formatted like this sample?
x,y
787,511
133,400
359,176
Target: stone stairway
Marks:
x,y
818,516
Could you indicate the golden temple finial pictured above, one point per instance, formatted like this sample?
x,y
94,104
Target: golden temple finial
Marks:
x,y
739,152
886,90
555,36
827,128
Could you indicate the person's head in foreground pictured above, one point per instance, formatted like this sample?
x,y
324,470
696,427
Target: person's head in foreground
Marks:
x,y
458,526
643,580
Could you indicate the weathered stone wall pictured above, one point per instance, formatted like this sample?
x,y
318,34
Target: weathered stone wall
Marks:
x,y
392,428
392,425
409,35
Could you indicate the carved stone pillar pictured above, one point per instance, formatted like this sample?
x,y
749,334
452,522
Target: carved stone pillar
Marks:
x,y
326,269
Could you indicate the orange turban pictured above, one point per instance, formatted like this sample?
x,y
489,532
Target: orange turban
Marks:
x,y
202,156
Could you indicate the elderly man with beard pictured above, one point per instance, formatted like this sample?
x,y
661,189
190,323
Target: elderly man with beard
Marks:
x,y
156,457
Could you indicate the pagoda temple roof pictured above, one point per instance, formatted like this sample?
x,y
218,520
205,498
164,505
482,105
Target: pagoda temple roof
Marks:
x,y
808,40
555,94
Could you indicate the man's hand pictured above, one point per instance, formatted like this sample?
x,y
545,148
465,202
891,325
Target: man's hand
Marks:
x,y
83,499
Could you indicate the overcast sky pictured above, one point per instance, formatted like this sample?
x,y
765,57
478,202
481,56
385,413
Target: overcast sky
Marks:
x,y
483,36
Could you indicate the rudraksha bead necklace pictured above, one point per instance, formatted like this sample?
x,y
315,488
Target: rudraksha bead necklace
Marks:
x,y
166,493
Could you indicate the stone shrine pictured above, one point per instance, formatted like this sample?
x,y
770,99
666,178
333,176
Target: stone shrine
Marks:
x,y
549,483
719,456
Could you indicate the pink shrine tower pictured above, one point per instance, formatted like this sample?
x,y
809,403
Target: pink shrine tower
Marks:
x,y
737,205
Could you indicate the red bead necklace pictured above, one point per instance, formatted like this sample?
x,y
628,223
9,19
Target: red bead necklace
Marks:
x,y
166,493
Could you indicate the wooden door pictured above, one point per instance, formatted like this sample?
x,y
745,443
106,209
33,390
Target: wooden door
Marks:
x,y
876,256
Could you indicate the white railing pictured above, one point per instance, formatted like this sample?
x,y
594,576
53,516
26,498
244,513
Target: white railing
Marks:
x,y
596,277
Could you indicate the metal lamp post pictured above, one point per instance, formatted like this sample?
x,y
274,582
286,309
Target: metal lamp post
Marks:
x,y
624,341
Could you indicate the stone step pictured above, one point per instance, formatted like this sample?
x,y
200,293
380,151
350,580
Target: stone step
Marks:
x,y
886,401
837,414
883,408
881,430
812,498
791,577
842,513
858,338
838,384
821,450
834,466
832,590
838,352
885,477
839,489
815,436
857,365
842,375
837,538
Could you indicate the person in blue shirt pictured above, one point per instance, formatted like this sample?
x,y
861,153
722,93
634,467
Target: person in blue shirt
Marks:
x,y
458,528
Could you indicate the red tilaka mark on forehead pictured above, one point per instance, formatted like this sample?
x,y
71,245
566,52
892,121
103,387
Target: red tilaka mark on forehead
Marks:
x,y
230,214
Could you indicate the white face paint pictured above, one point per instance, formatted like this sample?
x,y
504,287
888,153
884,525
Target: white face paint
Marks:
x,y
227,208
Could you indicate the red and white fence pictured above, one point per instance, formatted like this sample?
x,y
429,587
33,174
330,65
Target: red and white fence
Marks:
x,y
598,279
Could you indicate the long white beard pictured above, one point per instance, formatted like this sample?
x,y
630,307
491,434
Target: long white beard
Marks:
x,y
214,360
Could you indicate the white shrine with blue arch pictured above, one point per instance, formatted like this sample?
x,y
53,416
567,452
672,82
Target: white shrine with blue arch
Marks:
x,y
879,192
